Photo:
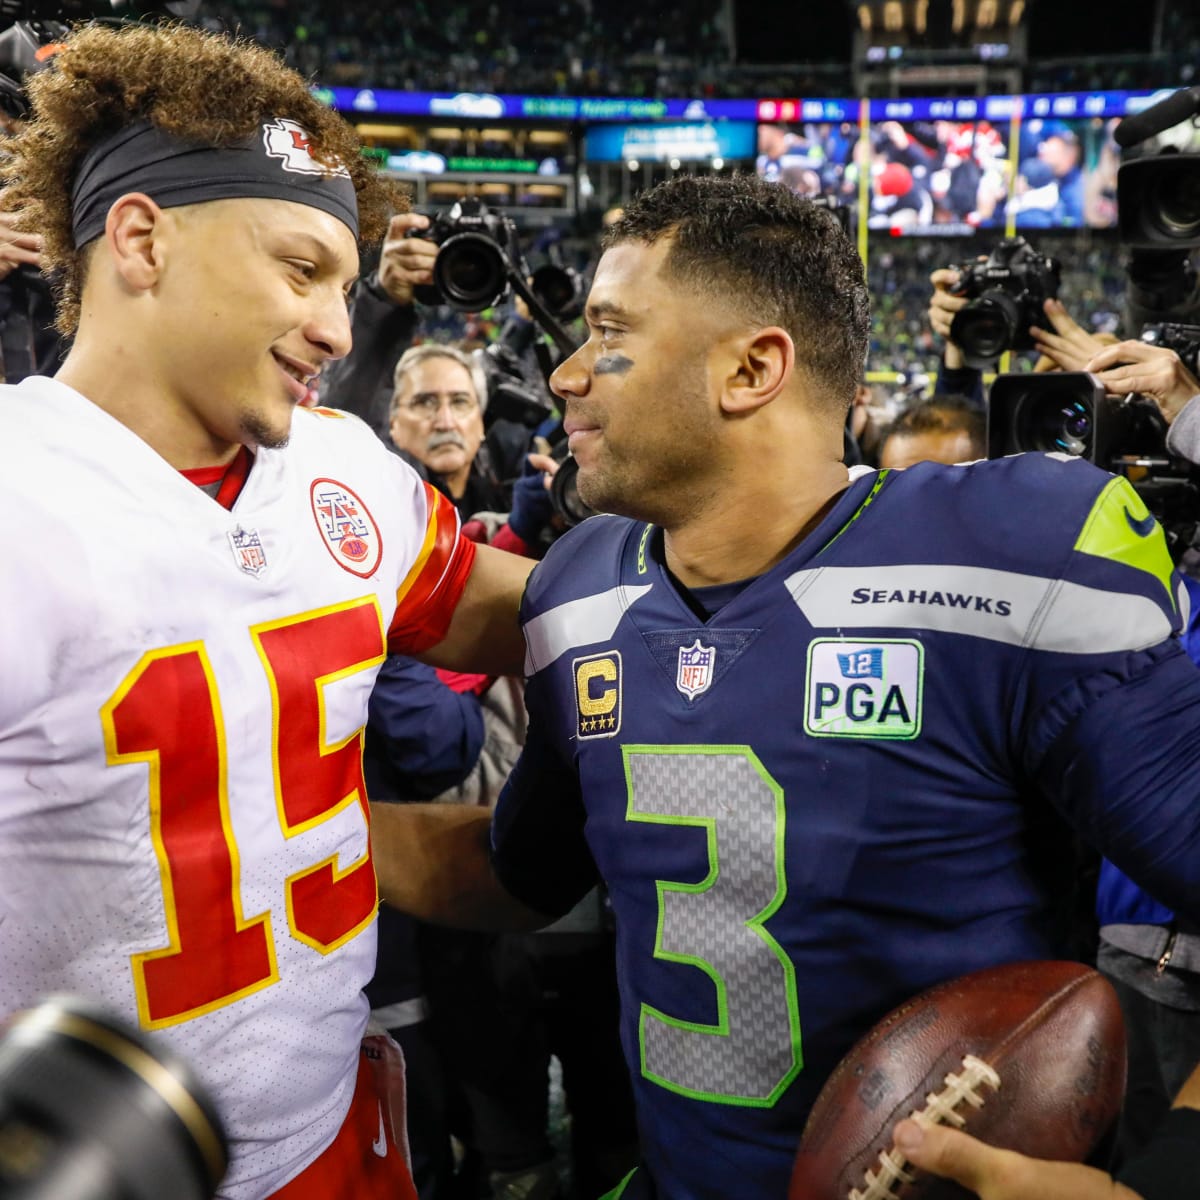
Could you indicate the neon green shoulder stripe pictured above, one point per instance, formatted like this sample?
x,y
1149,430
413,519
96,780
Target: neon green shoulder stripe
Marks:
x,y
1121,529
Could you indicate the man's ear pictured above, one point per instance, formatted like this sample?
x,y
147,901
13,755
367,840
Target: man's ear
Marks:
x,y
765,361
133,233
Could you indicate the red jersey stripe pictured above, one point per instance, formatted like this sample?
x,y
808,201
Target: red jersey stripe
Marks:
x,y
426,600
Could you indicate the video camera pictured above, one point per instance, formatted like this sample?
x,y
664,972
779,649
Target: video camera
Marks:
x,y
1183,339
1005,297
480,261
91,1109
32,27
1068,412
1158,217
1158,188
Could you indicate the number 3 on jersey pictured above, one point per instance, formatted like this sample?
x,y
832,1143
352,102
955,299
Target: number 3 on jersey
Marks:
x,y
167,714
718,924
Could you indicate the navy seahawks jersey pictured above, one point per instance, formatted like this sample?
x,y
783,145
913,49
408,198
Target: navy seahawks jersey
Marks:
x,y
851,782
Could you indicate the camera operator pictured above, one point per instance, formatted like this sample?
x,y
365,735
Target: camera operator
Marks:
x,y
1160,375
1149,953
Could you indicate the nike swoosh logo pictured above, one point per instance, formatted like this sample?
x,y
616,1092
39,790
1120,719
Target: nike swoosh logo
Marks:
x,y
1144,527
379,1145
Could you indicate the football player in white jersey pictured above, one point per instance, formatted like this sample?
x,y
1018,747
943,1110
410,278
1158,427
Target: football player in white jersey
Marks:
x,y
198,592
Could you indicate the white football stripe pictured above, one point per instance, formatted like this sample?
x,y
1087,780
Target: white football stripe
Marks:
x,y
582,622
1045,614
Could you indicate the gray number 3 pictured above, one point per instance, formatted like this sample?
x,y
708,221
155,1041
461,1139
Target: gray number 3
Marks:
x,y
752,1052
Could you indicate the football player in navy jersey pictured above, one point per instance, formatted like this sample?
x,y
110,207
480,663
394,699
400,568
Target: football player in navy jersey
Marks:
x,y
823,733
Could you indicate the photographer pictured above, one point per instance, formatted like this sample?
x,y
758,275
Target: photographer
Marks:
x,y
384,318
1065,346
1150,953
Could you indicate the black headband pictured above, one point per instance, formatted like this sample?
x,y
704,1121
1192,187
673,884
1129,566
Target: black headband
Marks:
x,y
274,164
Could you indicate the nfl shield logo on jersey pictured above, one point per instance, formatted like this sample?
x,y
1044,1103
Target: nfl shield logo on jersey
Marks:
x,y
248,551
695,672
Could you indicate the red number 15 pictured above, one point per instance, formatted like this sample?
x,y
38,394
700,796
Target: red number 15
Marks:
x,y
167,714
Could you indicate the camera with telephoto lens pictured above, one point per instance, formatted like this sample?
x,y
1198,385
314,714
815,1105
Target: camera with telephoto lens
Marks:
x,y
1005,297
91,1109
477,250
1068,412
1183,339
32,29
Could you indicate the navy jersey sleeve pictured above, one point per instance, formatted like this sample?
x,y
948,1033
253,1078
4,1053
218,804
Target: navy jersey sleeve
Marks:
x,y
1109,719
422,736
538,849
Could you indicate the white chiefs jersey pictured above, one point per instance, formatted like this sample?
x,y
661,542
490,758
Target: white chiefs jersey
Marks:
x,y
183,832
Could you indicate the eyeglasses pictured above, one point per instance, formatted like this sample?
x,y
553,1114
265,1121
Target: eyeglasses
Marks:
x,y
427,405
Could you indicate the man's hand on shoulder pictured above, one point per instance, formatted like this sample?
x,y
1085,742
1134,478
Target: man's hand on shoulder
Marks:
x,y
1000,1174
405,262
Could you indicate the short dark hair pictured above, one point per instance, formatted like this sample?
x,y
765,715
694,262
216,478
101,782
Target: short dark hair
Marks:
x,y
781,259
941,414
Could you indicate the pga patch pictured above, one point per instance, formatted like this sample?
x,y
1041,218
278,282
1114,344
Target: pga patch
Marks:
x,y
864,689
347,527
597,695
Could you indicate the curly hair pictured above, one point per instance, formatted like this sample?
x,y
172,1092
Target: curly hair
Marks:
x,y
204,87
777,258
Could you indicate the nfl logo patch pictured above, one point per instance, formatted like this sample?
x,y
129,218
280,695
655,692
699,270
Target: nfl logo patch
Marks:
x,y
248,551
350,533
695,672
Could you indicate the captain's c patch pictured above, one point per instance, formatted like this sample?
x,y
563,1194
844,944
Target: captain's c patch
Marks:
x,y
598,695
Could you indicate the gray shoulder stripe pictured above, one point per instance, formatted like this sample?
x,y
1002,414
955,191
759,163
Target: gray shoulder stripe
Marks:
x,y
577,623
1002,606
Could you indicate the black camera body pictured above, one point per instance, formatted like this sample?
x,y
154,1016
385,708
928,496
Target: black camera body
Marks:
x,y
1006,294
1183,339
476,248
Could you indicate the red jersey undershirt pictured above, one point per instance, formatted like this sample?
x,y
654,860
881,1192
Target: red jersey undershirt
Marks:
x,y
223,484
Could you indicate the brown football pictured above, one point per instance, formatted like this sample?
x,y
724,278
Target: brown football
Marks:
x,y
1029,1056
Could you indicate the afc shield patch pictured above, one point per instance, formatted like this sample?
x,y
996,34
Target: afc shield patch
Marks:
x,y
695,671
597,695
864,689
347,527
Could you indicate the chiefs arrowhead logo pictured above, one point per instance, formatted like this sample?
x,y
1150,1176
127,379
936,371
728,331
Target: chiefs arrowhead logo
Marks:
x,y
291,143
